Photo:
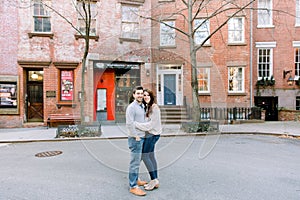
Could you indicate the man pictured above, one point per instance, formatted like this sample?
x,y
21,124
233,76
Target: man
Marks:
x,y
135,112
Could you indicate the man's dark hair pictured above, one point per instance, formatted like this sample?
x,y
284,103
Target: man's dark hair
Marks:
x,y
137,88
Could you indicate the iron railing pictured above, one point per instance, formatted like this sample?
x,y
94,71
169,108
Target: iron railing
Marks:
x,y
236,113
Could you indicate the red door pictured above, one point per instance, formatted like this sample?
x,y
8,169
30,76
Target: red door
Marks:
x,y
105,79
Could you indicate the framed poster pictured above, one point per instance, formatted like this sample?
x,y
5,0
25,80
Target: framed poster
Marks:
x,y
8,95
67,85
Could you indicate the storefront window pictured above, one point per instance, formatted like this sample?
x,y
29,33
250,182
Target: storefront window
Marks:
x,y
125,82
66,86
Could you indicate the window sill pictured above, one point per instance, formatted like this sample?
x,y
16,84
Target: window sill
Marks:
x,y
237,44
69,104
204,94
93,37
267,26
49,35
129,40
204,45
168,47
237,94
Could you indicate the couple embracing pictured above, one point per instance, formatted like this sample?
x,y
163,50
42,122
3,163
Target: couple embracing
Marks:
x,y
144,128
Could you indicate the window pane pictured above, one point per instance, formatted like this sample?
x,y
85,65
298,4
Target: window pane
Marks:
x,y
203,79
264,64
235,79
297,61
167,34
82,19
235,30
264,12
202,32
41,18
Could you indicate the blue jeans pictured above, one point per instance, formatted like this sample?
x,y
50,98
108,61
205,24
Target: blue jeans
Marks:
x,y
135,160
148,155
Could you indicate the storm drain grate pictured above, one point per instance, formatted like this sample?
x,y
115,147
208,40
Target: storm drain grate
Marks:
x,y
48,153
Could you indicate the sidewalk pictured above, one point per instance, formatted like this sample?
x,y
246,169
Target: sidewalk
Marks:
x,y
290,128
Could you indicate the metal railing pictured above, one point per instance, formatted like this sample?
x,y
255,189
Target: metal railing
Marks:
x,y
236,113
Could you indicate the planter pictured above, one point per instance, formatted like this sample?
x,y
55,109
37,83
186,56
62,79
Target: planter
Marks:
x,y
78,131
201,126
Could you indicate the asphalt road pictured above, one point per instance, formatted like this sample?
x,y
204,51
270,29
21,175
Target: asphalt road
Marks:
x,y
233,167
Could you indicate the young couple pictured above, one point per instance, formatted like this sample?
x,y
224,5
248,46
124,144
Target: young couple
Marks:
x,y
144,128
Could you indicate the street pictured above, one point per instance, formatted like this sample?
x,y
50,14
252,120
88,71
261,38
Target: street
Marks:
x,y
226,167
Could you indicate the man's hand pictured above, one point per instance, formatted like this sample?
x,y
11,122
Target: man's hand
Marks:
x,y
137,138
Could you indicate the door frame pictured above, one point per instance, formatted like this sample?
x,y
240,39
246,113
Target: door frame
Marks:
x,y
174,69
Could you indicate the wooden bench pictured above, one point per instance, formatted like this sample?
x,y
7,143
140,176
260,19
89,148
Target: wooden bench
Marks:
x,y
65,119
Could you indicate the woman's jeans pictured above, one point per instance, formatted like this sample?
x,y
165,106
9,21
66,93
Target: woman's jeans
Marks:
x,y
135,159
148,155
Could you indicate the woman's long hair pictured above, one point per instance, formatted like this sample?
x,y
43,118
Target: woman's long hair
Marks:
x,y
151,102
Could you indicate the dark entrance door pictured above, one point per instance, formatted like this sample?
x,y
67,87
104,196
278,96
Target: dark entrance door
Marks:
x,y
270,105
34,96
35,111
170,89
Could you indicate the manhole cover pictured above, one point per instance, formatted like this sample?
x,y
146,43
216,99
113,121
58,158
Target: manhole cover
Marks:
x,y
48,153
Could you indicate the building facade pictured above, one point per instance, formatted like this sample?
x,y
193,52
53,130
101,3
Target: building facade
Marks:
x,y
244,56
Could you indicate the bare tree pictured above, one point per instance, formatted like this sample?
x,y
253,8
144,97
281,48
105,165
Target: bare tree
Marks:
x,y
84,10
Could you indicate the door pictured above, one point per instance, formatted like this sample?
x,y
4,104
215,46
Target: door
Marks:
x,y
270,105
35,111
101,105
170,89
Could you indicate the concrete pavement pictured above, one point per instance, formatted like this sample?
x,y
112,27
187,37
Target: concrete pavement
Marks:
x,y
290,128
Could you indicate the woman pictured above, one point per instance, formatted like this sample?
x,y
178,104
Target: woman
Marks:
x,y
153,130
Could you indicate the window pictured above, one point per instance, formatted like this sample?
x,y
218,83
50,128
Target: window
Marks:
x,y
82,19
297,62
297,12
265,63
9,98
236,30
130,22
265,13
297,103
167,33
203,75
66,85
201,27
41,17
236,79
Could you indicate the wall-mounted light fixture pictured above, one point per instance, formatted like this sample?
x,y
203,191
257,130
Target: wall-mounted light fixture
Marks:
x,y
285,72
290,79
147,72
34,76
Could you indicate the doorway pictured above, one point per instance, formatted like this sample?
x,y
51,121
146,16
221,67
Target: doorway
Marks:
x,y
34,98
170,89
270,105
101,105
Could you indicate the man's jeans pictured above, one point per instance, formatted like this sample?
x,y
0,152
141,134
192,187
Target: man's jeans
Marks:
x,y
148,155
135,160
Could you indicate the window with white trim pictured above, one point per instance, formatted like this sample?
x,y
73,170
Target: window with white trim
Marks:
x,y
167,33
297,62
130,22
203,75
265,13
236,79
265,64
297,12
82,19
41,17
236,30
202,31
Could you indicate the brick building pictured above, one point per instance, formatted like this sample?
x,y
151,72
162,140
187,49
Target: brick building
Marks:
x,y
41,69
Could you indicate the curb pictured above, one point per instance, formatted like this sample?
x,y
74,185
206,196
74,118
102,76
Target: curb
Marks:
x,y
283,135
